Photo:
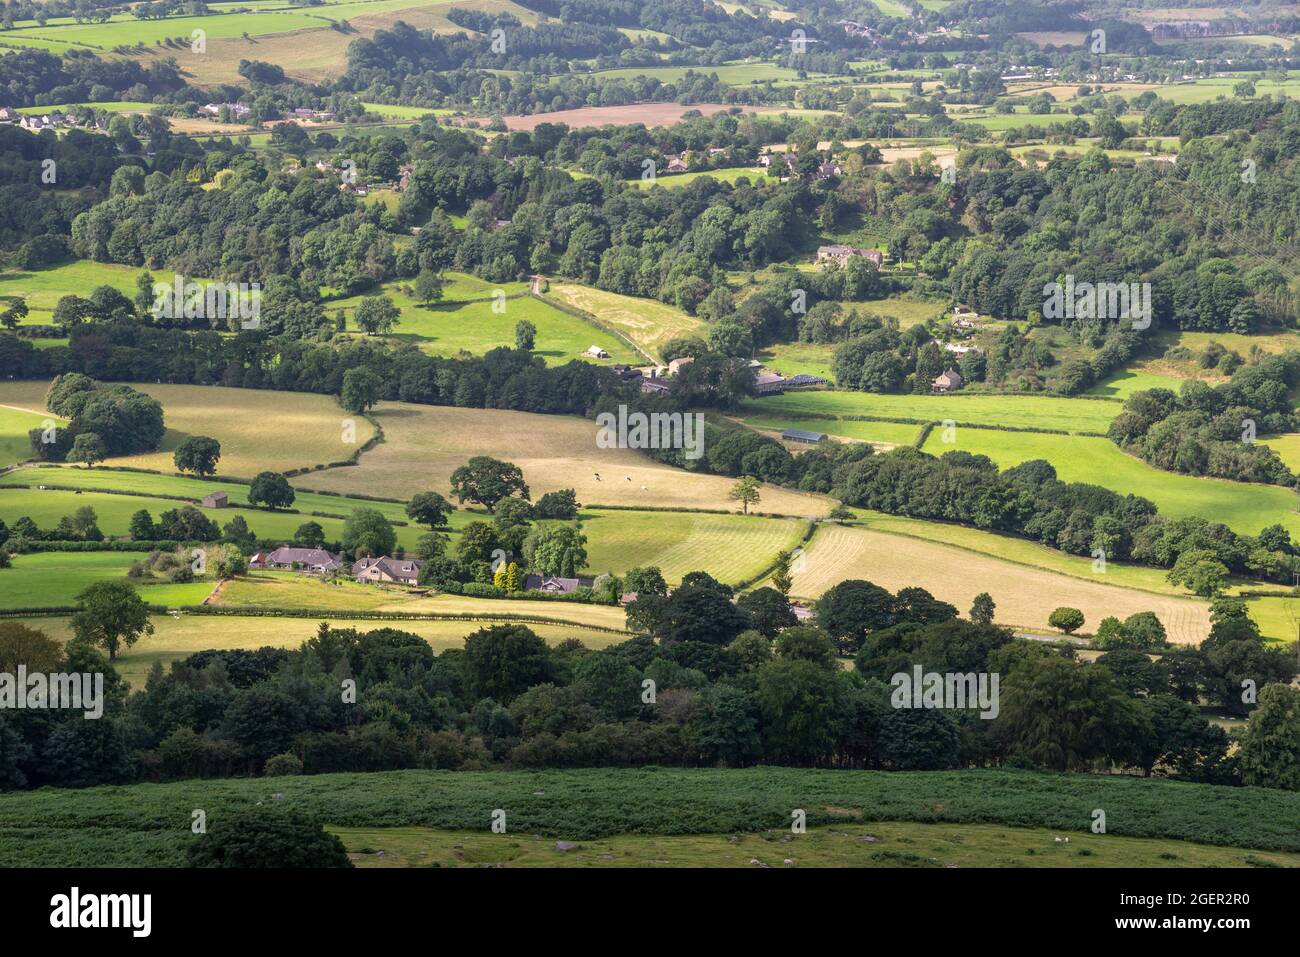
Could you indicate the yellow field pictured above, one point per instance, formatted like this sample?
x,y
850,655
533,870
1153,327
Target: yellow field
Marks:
x,y
424,444
177,638
1024,596
258,430
646,322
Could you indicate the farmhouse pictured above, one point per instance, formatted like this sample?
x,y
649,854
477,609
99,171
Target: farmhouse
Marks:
x,y
314,561
676,165
405,571
556,584
8,114
840,253
214,500
802,435
949,381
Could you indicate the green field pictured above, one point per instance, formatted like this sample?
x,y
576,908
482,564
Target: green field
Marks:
x,y
43,288
147,824
452,327
794,358
15,444
310,429
53,580
105,36
727,175
1287,448
879,844
46,507
733,74
1243,507
995,411
161,485
1124,383
1278,618
888,433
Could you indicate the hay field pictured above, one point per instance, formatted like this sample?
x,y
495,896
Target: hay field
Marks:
x,y
258,429
425,444
731,548
177,638
1025,597
646,322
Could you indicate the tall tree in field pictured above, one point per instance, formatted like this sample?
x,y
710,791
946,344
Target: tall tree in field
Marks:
x,y
377,314
198,454
367,532
360,389
271,489
746,492
487,481
110,614
525,335
87,447
981,610
428,286
429,508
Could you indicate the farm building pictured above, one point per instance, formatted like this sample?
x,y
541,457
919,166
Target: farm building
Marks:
x,y
555,584
769,383
802,435
840,253
405,571
314,561
949,381
214,500
596,352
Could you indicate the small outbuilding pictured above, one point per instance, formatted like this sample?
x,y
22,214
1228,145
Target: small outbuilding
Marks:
x,y
802,435
214,500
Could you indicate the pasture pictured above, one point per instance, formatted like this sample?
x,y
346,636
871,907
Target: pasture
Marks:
x,y
877,433
46,507
168,485
448,328
891,844
177,638
1024,596
136,825
1243,507
1287,448
309,429
15,444
728,174
43,288
731,548
646,322
795,358
993,411
425,444
651,114
54,579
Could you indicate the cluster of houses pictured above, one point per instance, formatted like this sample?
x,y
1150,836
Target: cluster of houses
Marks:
x,y
238,110
351,185
318,561
825,170
681,162
53,120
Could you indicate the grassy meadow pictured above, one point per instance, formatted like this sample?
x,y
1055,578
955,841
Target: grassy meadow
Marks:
x,y
54,579
15,424
1243,507
646,322
994,411
878,844
43,288
147,824
449,328
424,444
309,429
